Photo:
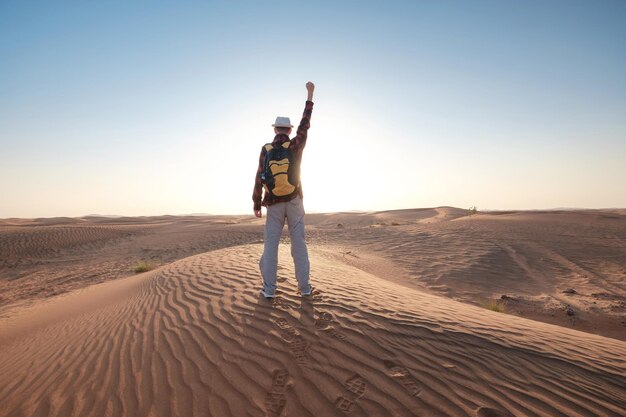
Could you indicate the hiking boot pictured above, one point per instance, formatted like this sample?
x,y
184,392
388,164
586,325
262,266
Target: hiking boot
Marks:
x,y
308,293
266,295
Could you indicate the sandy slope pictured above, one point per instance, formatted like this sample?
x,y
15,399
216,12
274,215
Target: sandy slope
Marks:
x,y
531,260
562,267
41,258
195,339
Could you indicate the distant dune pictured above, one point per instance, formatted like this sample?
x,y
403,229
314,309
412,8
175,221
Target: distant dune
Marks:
x,y
397,324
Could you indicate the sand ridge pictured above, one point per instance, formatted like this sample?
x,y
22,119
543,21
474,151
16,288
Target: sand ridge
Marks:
x,y
195,338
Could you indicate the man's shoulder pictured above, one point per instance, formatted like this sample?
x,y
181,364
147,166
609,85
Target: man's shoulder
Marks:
x,y
278,143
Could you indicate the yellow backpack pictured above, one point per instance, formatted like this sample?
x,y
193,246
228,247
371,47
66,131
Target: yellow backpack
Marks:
x,y
280,177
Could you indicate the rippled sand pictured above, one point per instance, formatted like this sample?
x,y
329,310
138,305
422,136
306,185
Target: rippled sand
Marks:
x,y
394,326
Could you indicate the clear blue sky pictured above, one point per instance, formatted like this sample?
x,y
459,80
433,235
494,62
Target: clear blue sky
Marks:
x,y
142,108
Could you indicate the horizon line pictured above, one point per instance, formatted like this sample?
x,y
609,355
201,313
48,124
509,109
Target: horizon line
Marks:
x,y
357,211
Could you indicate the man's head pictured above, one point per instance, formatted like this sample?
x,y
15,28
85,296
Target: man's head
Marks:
x,y
282,126
282,130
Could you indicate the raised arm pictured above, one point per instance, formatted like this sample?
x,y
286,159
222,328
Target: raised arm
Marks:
x,y
309,88
299,140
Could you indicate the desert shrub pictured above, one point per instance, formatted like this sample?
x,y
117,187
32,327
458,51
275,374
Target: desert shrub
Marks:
x,y
472,210
142,267
494,305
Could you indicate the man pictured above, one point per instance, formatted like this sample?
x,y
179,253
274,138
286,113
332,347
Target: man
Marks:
x,y
279,175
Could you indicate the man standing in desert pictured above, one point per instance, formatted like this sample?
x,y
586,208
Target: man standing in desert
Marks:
x,y
279,175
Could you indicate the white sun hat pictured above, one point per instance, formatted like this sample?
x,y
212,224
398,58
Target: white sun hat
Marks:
x,y
282,122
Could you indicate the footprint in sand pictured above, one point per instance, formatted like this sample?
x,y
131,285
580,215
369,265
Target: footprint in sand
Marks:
x,y
280,303
282,323
298,347
324,321
355,385
287,332
492,412
344,404
300,350
276,399
403,376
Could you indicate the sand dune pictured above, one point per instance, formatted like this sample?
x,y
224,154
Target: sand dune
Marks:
x,y
40,260
529,261
194,338
563,267
394,327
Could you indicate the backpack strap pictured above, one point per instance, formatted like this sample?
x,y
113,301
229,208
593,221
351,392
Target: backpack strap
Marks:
x,y
268,147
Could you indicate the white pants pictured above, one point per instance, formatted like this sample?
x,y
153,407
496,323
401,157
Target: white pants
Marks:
x,y
293,211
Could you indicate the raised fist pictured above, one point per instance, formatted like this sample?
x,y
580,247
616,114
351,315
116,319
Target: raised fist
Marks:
x,y
310,86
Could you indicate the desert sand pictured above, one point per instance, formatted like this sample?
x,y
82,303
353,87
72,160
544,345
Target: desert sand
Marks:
x,y
397,325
